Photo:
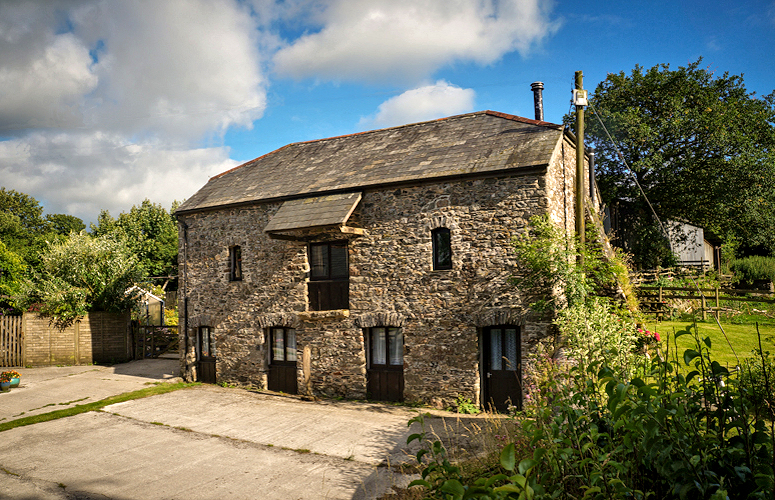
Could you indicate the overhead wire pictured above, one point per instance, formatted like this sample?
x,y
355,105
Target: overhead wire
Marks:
x,y
664,231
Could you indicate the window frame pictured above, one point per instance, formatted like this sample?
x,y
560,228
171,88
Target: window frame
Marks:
x,y
370,332
206,332
330,290
286,333
440,264
235,263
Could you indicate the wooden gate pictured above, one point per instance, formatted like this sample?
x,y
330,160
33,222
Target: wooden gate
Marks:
x,y
153,341
11,341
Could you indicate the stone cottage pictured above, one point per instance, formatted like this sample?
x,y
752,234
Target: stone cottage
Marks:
x,y
374,265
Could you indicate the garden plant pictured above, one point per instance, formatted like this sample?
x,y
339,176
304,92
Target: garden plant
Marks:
x,y
622,413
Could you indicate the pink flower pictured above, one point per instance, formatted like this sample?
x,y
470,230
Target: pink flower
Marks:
x,y
656,336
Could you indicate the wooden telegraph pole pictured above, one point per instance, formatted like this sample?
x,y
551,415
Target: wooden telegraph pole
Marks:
x,y
580,100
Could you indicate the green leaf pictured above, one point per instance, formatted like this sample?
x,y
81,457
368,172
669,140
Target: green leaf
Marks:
x,y
413,437
420,482
689,355
526,465
494,479
508,457
453,487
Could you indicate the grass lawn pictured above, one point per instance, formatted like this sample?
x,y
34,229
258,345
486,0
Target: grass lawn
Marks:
x,y
742,337
161,388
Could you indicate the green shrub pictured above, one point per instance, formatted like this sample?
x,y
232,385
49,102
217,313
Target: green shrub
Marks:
x,y
756,376
670,433
753,268
593,332
465,406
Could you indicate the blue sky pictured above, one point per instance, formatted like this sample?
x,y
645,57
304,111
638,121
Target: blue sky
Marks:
x,y
103,104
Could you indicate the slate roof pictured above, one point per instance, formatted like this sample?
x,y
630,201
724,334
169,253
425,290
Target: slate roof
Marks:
x,y
470,144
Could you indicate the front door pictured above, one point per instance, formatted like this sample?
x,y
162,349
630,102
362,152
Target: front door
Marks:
x,y
502,361
386,364
282,360
206,352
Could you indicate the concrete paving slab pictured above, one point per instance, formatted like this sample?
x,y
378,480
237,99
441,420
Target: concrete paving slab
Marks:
x,y
370,433
206,442
45,389
99,455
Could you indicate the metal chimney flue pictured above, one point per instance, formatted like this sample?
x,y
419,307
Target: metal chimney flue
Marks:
x,y
538,99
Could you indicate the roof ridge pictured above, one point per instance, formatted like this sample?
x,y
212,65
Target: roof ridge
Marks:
x,y
497,114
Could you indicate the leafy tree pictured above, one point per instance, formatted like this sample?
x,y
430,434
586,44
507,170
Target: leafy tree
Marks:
x,y
65,224
82,274
701,146
26,208
12,271
150,232
22,226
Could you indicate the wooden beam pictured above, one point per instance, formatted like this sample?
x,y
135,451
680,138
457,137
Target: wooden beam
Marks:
x,y
357,231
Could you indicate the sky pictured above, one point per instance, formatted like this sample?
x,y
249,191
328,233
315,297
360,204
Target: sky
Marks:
x,y
106,103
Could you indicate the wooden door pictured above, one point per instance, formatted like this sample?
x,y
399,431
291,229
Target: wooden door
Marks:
x,y
502,361
386,364
282,360
206,354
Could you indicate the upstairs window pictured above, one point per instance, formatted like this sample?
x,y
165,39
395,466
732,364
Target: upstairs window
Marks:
x,y
329,285
442,249
235,263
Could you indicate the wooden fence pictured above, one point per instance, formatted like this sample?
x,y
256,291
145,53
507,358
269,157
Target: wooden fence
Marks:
x,y
654,298
31,340
11,341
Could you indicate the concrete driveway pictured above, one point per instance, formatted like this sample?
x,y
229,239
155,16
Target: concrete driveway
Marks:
x,y
206,442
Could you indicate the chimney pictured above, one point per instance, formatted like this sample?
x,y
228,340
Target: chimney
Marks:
x,y
538,99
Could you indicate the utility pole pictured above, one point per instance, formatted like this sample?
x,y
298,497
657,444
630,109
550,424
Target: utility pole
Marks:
x,y
580,100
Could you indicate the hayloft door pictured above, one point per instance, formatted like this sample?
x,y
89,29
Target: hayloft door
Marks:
x,y
282,360
386,364
502,361
206,354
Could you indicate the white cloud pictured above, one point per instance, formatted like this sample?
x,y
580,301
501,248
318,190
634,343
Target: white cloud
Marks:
x,y
408,40
81,174
421,104
101,102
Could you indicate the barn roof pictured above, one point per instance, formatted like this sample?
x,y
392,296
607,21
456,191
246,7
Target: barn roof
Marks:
x,y
480,143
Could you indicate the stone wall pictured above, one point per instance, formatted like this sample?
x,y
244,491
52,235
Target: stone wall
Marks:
x,y
392,283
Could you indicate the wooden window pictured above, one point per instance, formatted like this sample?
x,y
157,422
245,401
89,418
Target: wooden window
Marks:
x,y
329,285
206,342
235,263
283,345
442,249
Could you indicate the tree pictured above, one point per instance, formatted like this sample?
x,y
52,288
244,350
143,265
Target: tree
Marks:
x,y
22,226
82,274
65,224
150,232
701,147
12,271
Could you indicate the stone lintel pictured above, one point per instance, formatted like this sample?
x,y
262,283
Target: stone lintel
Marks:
x,y
333,315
